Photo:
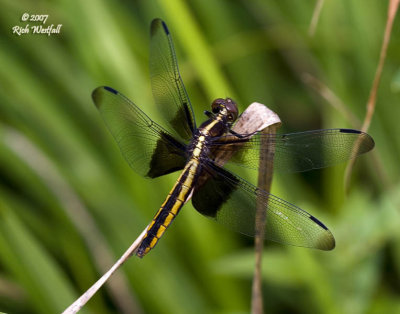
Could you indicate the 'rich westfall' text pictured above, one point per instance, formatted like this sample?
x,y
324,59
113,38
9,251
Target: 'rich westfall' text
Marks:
x,y
49,30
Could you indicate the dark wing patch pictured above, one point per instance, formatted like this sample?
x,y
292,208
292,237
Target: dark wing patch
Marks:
x,y
166,158
213,190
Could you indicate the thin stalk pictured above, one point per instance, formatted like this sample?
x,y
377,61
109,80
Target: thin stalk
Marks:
x,y
84,298
264,183
79,215
371,104
315,17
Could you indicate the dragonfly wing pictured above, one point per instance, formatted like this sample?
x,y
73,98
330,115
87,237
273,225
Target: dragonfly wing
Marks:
x,y
232,202
168,89
148,148
296,152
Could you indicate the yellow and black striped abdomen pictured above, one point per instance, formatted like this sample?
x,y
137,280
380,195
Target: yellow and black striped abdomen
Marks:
x,y
170,208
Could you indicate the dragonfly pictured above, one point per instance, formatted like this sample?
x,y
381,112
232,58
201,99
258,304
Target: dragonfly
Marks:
x,y
153,150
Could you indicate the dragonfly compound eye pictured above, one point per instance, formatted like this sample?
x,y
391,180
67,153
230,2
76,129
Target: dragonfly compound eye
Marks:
x,y
216,105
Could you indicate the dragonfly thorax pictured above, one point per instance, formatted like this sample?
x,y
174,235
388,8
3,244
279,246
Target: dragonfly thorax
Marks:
x,y
224,113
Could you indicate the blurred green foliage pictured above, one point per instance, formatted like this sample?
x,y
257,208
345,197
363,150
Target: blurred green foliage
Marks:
x,y
70,205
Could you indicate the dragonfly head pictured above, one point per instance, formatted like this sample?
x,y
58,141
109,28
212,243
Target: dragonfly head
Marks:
x,y
226,108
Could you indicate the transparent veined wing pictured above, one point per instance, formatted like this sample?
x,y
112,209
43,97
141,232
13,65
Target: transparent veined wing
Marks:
x,y
232,202
168,90
148,148
296,152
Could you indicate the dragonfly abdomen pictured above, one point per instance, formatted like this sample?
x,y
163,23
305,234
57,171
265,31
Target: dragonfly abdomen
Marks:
x,y
169,209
